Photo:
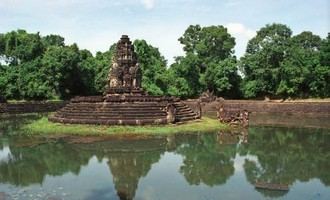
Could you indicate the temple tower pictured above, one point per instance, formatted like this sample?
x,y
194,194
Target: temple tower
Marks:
x,y
125,73
124,102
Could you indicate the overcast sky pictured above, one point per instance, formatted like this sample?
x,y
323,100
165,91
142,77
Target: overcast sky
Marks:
x,y
96,24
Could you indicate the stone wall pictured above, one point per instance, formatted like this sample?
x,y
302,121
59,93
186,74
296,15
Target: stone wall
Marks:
x,y
290,120
31,107
210,109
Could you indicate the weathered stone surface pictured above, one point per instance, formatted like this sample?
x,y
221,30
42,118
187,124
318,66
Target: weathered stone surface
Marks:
x,y
31,107
125,73
233,117
124,101
255,106
207,97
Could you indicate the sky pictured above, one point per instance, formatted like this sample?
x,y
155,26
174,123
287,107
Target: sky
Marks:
x,y
96,24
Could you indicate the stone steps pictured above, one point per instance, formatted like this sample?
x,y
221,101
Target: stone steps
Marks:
x,y
184,113
184,109
129,112
115,106
110,115
114,113
141,110
144,121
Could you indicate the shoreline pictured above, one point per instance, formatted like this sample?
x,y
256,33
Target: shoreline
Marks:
x,y
43,127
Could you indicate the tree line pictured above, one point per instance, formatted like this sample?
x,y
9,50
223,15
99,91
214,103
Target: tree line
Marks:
x,y
276,64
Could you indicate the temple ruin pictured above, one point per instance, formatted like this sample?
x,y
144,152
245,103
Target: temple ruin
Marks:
x,y
124,101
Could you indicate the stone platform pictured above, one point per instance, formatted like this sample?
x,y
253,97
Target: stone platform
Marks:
x,y
124,101
124,110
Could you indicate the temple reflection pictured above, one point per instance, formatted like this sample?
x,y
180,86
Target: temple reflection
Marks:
x,y
271,155
129,161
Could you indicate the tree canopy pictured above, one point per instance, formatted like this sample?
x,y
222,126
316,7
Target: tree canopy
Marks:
x,y
279,64
209,63
276,63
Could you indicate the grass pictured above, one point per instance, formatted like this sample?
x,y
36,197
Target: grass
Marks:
x,y
44,127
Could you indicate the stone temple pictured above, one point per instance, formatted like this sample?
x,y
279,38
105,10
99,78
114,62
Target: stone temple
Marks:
x,y
124,102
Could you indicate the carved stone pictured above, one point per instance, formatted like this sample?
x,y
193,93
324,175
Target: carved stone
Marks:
x,y
233,117
171,112
124,101
125,73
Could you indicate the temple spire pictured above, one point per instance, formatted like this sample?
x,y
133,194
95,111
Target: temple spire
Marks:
x,y
125,70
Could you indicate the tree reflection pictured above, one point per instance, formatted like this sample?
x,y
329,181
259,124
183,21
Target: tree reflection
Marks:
x,y
27,165
11,124
286,155
274,155
206,161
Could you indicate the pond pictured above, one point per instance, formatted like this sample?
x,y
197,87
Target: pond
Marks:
x,y
184,166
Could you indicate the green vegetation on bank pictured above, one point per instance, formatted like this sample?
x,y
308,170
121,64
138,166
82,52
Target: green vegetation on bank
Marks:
x,y
43,127
276,64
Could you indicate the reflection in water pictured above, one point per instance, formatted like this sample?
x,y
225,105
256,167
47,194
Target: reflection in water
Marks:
x,y
12,123
273,155
129,161
26,165
206,161
287,155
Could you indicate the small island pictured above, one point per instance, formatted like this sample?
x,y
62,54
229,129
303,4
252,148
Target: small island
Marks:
x,y
125,108
125,102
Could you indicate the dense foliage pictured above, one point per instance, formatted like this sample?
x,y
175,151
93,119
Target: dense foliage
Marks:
x,y
209,64
278,64
275,64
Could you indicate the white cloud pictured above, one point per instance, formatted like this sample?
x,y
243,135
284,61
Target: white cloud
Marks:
x,y
242,35
148,4
240,29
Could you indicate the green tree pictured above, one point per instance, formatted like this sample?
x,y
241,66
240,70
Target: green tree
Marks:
x,y
184,76
102,62
277,64
298,69
31,83
8,81
60,68
53,40
261,62
86,73
320,83
207,49
211,42
222,78
153,67
325,51
20,46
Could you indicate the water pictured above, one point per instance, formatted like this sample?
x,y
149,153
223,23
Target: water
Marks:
x,y
205,166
